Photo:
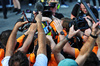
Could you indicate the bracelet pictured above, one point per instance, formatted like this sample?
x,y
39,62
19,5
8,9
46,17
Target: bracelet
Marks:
x,y
93,36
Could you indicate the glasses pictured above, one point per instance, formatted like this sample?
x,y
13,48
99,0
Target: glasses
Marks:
x,y
85,35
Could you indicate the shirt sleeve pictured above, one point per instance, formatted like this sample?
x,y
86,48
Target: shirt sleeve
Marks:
x,y
20,40
75,10
76,52
41,60
5,61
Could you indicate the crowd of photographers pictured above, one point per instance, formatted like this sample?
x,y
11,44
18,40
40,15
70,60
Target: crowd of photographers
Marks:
x,y
51,39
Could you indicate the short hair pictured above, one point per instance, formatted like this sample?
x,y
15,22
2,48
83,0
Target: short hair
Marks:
x,y
19,58
66,23
92,60
2,46
4,36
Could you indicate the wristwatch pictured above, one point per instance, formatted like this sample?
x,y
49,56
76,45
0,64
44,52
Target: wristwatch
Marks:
x,y
61,33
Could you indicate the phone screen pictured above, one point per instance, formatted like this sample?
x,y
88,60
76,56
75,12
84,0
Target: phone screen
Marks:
x,y
28,15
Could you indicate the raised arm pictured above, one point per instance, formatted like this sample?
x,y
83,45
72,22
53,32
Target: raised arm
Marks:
x,y
29,39
60,45
98,43
12,39
88,46
41,36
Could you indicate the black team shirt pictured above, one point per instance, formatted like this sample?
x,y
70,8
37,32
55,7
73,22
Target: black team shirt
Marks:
x,y
77,7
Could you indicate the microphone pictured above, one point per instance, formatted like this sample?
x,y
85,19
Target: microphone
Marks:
x,y
39,6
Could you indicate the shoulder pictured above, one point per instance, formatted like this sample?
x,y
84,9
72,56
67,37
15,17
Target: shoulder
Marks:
x,y
77,5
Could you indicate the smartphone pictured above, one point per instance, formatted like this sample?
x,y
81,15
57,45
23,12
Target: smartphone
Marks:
x,y
28,16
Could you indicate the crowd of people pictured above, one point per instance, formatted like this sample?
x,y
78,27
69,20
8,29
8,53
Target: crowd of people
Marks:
x,y
54,40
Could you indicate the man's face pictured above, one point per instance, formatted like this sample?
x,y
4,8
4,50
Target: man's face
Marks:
x,y
84,9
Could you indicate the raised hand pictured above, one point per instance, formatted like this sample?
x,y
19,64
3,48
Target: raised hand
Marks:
x,y
72,32
58,26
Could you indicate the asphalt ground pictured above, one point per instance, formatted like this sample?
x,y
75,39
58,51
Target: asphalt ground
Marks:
x,y
8,24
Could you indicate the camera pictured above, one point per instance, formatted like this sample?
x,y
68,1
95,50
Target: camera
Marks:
x,y
52,4
46,11
28,15
79,23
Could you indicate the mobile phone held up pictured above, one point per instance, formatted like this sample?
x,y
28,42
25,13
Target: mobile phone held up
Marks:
x,y
28,16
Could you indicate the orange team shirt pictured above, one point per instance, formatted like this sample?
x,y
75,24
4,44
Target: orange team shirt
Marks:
x,y
1,55
20,40
52,61
95,49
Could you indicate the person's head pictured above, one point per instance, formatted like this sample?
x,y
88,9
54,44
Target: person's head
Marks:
x,y
65,23
18,59
67,62
92,60
86,34
55,3
4,37
83,7
54,9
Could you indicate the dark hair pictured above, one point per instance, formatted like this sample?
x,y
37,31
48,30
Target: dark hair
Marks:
x,y
31,47
66,23
87,1
48,51
2,46
92,60
4,36
19,58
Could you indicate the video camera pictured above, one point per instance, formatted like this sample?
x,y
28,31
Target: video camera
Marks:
x,y
79,23
46,11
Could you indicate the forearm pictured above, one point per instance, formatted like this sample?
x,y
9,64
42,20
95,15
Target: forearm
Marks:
x,y
11,43
88,46
59,46
69,50
85,51
98,43
27,42
41,34
41,39
57,49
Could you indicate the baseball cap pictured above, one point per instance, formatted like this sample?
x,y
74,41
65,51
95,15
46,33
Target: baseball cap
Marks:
x,y
68,62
